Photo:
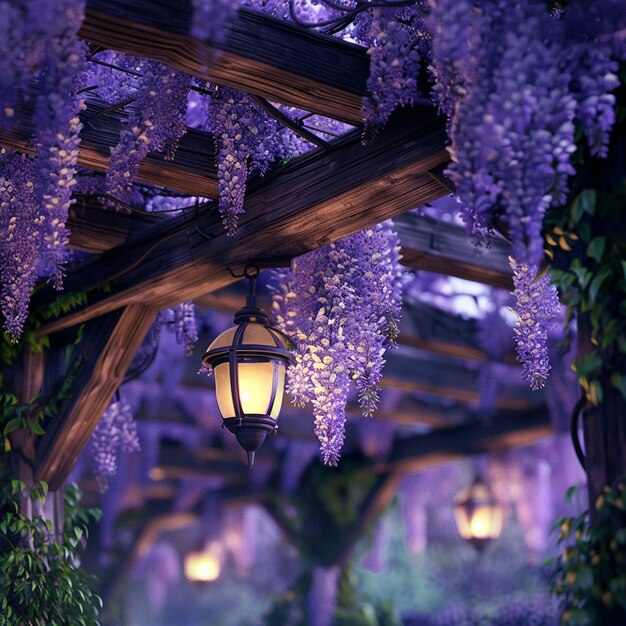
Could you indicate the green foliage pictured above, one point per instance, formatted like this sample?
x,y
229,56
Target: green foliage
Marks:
x,y
586,244
324,513
40,584
355,610
590,575
32,414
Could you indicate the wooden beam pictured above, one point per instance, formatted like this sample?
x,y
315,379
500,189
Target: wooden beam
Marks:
x,y
415,372
261,55
108,347
508,430
314,200
426,244
96,230
177,463
435,246
192,171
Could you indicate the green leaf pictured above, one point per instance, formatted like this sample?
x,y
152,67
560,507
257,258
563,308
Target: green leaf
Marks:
x,y
14,424
596,283
37,428
596,247
585,202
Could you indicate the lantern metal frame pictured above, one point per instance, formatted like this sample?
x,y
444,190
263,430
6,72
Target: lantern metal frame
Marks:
x,y
467,502
250,429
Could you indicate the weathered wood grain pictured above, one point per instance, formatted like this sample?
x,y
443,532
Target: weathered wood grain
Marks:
x,y
96,230
416,453
109,346
261,55
428,244
413,371
192,171
312,201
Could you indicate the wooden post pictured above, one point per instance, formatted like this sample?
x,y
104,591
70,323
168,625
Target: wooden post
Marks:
x,y
30,373
604,429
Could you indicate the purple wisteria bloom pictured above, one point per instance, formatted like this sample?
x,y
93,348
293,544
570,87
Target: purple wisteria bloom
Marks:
x,y
514,80
156,123
395,39
116,432
341,305
536,308
245,134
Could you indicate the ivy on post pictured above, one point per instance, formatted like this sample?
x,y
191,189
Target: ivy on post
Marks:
x,y
587,244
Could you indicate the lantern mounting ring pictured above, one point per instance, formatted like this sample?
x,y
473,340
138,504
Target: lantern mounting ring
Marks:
x,y
251,272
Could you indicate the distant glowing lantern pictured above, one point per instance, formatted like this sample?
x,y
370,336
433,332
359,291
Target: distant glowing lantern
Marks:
x,y
249,362
478,515
204,566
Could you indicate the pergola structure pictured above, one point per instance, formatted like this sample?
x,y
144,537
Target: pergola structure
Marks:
x,y
149,262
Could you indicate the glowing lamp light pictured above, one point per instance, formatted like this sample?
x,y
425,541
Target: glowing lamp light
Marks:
x,y
249,362
204,566
478,516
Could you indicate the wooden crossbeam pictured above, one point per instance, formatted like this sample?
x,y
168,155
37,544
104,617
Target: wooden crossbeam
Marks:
x,y
428,244
111,343
96,230
177,463
508,430
312,201
192,171
415,372
261,55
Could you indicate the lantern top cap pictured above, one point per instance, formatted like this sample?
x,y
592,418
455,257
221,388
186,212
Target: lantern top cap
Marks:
x,y
477,493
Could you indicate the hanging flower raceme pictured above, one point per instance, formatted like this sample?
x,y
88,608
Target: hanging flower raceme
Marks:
x,y
116,432
341,305
57,128
513,80
27,29
244,133
536,308
397,41
21,227
36,196
156,123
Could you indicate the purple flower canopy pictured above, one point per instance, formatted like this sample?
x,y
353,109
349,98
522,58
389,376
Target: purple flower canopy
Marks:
x,y
515,82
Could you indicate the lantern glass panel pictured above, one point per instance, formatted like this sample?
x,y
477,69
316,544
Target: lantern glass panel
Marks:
x,y
255,388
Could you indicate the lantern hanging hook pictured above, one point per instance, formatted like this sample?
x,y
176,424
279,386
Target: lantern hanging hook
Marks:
x,y
251,273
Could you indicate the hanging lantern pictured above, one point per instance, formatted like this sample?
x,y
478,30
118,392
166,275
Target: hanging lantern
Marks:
x,y
249,362
205,565
478,516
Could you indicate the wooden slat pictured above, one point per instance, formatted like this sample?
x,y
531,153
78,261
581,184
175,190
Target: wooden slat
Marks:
x,y
415,372
192,171
177,463
96,230
312,201
261,55
435,246
514,429
109,346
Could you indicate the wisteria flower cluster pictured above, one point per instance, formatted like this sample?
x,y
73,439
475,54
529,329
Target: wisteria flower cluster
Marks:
x,y
116,432
156,123
341,305
244,133
180,319
20,224
537,306
396,40
36,196
512,112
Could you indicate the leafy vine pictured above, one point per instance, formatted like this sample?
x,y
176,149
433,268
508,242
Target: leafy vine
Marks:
x,y
590,575
40,583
